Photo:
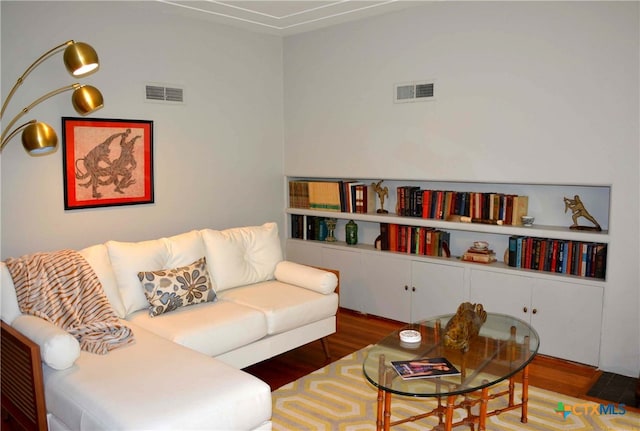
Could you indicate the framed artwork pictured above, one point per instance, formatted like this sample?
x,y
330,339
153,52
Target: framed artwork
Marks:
x,y
107,162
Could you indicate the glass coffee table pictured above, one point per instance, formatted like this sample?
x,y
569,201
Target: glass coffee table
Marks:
x,y
504,347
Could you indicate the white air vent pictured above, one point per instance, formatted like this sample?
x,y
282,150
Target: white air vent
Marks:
x,y
413,91
162,93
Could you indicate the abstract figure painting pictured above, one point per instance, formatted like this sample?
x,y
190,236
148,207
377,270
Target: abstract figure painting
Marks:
x,y
107,162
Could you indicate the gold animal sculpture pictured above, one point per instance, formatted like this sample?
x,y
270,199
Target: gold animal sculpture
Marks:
x,y
382,193
578,210
464,326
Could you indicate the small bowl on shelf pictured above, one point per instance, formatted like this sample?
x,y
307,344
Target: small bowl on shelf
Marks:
x,y
480,245
527,220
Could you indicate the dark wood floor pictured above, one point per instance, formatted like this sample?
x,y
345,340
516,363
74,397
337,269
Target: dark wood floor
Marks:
x,y
356,331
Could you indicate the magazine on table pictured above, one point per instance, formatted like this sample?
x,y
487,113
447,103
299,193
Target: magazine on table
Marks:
x,y
422,368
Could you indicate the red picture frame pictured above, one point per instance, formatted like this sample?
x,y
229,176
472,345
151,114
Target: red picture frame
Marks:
x,y
107,162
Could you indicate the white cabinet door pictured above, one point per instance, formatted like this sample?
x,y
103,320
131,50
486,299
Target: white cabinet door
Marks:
x,y
386,286
566,315
439,289
349,263
502,293
568,318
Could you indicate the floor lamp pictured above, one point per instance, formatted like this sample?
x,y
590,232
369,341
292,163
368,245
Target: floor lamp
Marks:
x,y
39,138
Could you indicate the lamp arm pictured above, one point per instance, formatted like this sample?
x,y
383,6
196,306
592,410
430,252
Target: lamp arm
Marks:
x,y
6,140
28,108
35,64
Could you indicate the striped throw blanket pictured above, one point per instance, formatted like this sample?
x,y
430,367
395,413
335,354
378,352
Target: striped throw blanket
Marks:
x,y
61,287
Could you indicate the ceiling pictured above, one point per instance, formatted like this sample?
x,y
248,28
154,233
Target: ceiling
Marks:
x,y
285,17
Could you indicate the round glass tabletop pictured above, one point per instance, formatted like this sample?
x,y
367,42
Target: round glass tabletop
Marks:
x,y
504,346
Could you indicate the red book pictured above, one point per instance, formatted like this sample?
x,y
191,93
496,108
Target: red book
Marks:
x,y
440,203
543,254
528,253
402,238
509,210
569,256
426,203
393,237
554,255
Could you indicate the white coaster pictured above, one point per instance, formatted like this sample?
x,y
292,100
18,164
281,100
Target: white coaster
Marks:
x,y
410,336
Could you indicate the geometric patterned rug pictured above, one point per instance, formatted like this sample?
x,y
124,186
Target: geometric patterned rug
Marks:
x,y
338,397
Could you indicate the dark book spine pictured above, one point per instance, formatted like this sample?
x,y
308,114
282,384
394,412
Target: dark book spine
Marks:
x,y
384,236
513,250
601,261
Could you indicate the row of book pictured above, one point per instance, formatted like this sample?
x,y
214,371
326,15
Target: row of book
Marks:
x,y
585,259
339,196
425,241
313,229
412,201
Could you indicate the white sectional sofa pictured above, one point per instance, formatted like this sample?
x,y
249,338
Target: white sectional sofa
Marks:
x,y
183,370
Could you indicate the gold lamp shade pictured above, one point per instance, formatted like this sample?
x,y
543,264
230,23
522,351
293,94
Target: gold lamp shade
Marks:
x,y
80,59
86,99
39,139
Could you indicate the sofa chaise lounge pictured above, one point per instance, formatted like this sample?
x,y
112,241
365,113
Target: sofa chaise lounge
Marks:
x,y
183,370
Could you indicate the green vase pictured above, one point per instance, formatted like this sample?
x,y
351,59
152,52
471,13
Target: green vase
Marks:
x,y
351,230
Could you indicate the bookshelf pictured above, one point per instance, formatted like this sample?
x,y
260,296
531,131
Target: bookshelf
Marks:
x,y
545,202
409,287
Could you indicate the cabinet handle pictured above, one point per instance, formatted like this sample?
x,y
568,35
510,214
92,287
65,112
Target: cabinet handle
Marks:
x,y
534,311
525,309
406,287
413,288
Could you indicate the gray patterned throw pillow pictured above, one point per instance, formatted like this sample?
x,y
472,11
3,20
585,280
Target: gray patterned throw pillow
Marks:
x,y
169,289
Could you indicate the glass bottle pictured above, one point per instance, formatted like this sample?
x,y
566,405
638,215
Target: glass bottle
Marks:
x,y
351,231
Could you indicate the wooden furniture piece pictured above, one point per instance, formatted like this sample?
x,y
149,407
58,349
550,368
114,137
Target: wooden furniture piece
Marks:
x,y
23,403
504,347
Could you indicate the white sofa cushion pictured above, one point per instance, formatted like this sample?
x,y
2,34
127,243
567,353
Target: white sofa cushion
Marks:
x,y
211,328
128,259
169,289
285,306
98,258
58,348
241,256
184,248
155,384
305,276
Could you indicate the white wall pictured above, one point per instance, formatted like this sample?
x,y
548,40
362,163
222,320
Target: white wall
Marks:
x,y
526,91
539,92
218,158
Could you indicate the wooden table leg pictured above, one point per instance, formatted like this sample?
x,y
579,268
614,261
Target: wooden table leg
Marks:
x,y
512,385
484,401
525,393
380,406
387,411
448,413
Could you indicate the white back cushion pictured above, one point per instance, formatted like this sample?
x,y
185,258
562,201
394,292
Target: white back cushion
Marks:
x,y
243,255
98,258
184,249
129,258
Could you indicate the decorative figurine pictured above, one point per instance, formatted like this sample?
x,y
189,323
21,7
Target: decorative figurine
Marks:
x,y
578,210
382,192
464,326
331,227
